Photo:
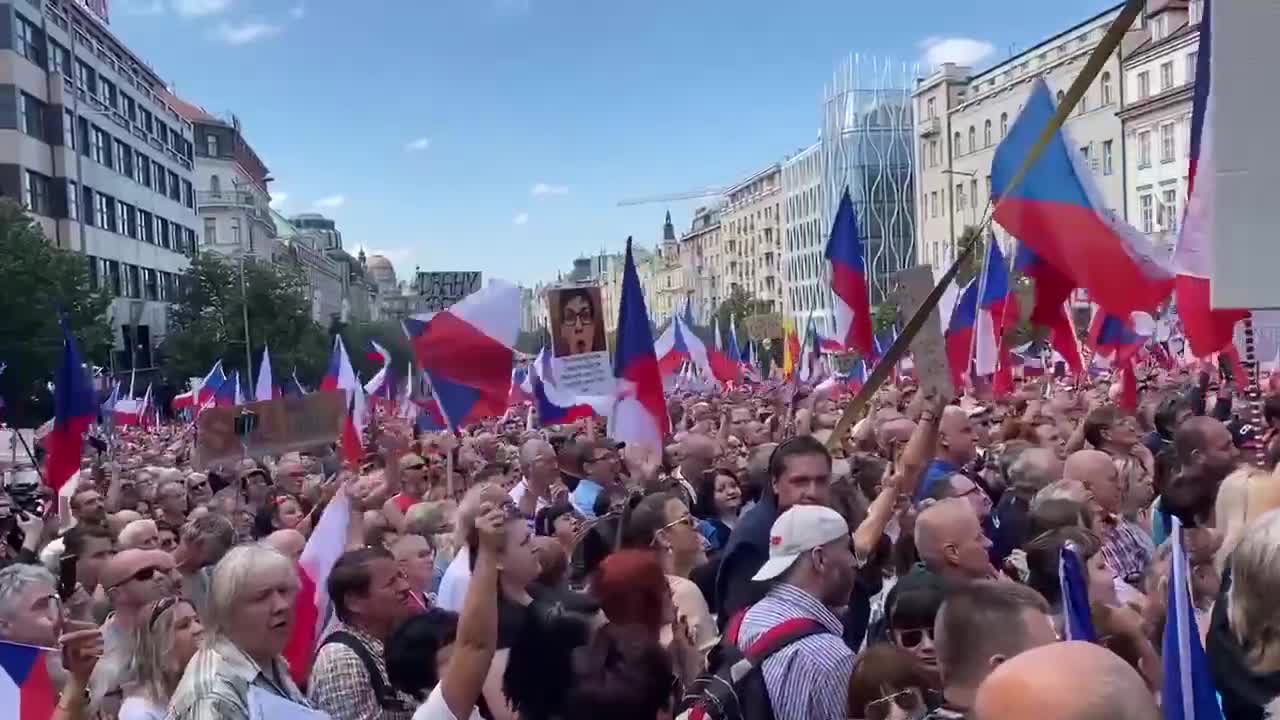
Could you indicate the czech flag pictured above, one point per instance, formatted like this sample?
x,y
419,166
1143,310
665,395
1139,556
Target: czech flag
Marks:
x,y
1188,692
640,414
227,393
266,388
467,353
131,411
201,395
1078,620
26,690
1115,339
74,409
1049,305
521,386
383,383
1055,211
997,311
959,333
311,609
849,279
1207,330
340,376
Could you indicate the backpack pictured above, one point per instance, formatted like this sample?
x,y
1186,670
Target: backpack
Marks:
x,y
385,696
733,687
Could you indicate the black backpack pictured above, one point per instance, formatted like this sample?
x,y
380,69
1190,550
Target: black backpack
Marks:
x,y
386,697
733,687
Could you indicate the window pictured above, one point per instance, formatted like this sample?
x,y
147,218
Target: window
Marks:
x,y
1107,157
1144,85
988,187
101,213
158,171
123,211
31,116
150,286
986,134
1144,149
35,193
189,247
124,159
973,191
959,204
130,221
1193,61
188,196
82,136
211,145
73,197
175,139
1106,89
29,43
162,233
1167,142
933,153
1083,107
210,232
973,139
142,168
955,147
1160,28
235,232
85,78
175,190
134,289
1145,213
95,281
1166,75
130,108
88,204
931,108
148,121
59,59
68,129
215,184
107,91
1195,11
146,228
160,131
113,275
933,204
1004,125
101,147
1169,210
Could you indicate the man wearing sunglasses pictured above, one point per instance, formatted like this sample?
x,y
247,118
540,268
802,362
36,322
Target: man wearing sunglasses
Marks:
x,y
413,490
131,579
601,467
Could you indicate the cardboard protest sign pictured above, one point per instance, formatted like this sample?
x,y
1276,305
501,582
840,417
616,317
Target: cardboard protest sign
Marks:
x,y
928,349
276,427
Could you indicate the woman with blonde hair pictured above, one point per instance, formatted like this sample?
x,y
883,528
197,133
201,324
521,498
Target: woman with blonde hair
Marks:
x,y
164,644
1244,496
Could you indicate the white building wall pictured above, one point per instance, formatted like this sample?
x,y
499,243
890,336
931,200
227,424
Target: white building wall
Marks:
x,y
806,274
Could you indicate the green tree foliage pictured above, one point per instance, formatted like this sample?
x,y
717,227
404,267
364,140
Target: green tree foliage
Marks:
x,y
969,270
39,281
207,322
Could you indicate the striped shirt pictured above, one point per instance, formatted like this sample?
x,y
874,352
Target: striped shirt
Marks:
x,y
1126,548
216,684
808,679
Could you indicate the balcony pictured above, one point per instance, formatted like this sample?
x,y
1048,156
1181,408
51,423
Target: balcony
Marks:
x,y
929,127
226,198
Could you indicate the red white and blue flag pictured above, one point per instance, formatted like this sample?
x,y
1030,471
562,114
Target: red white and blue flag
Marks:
x,y
1207,330
640,414
1049,305
341,376
266,388
311,609
74,409
466,352
383,383
958,337
27,691
849,280
201,396
1056,212
997,312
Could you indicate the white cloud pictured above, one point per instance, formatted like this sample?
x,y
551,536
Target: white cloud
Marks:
x,y
278,199
245,33
521,219
418,144
332,201
297,12
958,50
199,8
543,189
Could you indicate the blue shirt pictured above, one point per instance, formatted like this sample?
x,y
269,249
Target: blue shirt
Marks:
x,y
939,468
584,497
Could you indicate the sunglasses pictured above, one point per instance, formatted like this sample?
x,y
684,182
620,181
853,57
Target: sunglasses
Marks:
x,y
142,575
908,701
913,637
418,466
686,520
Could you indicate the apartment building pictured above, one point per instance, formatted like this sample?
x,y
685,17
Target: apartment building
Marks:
x,y
961,116
804,214
700,250
751,229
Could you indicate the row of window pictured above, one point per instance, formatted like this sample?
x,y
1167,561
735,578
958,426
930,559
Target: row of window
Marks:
x,y
131,281
48,54
1142,84
107,213
1166,214
1168,138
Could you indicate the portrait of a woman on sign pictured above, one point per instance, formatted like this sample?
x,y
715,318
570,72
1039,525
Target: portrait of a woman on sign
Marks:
x,y
577,326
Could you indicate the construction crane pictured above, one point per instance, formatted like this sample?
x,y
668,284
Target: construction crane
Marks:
x,y
691,195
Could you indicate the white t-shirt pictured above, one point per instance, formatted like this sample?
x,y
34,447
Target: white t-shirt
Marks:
x,y
435,708
137,708
453,586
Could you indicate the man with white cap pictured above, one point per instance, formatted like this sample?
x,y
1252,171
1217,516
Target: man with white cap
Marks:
x,y
812,565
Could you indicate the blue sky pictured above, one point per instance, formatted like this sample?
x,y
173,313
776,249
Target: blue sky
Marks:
x,y
499,135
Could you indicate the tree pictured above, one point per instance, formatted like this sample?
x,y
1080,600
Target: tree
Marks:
x,y
40,282
736,309
969,270
207,322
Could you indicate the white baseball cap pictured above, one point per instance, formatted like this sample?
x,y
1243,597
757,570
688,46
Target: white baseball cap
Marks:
x,y
797,531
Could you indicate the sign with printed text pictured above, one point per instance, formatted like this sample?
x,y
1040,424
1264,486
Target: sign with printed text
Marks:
x,y
439,290
274,427
928,350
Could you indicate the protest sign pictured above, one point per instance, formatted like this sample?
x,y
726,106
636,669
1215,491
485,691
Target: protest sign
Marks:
x,y
277,427
928,349
580,355
439,290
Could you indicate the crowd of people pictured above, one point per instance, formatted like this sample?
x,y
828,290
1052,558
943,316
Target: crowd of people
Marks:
x,y
913,571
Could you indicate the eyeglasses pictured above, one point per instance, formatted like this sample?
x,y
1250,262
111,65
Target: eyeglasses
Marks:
x,y
879,709
142,575
686,520
911,638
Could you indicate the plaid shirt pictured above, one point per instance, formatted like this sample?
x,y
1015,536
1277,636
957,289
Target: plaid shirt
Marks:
x,y
216,684
340,685
1126,548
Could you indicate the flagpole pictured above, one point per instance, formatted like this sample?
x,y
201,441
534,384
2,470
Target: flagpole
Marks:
x,y
244,308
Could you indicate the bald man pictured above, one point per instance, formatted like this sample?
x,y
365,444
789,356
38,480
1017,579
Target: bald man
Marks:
x,y
957,446
1126,547
951,542
131,579
1065,681
1205,456
288,542
140,535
